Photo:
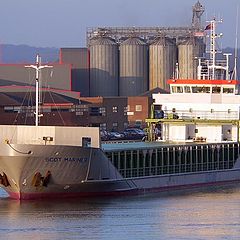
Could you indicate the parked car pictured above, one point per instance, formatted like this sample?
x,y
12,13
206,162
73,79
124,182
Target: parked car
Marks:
x,y
134,134
104,135
116,136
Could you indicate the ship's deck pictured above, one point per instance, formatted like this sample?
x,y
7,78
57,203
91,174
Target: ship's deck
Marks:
x,y
118,146
143,159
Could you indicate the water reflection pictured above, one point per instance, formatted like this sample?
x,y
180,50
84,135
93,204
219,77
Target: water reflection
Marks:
x,y
212,214
49,219
205,215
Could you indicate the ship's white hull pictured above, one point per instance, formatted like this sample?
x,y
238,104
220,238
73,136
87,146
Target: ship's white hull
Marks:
x,y
65,171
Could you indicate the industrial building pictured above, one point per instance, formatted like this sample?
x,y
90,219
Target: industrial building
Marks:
x,y
123,61
104,84
129,61
57,77
107,113
78,59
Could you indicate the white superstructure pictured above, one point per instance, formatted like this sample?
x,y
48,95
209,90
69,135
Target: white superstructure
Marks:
x,y
202,109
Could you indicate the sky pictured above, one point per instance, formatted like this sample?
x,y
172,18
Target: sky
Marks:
x,y
63,23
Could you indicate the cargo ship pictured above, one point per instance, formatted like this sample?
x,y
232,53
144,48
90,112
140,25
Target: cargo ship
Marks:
x,y
192,141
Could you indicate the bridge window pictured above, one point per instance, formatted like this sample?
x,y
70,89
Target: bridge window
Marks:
x,y
177,89
201,89
187,89
228,90
216,89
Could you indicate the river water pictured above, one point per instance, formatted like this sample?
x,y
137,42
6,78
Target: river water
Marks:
x,y
199,214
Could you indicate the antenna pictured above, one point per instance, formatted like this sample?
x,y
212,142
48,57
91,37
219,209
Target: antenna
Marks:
x,y
1,53
37,68
236,47
213,45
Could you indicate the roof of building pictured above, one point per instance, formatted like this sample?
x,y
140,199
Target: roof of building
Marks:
x,y
154,90
28,99
27,88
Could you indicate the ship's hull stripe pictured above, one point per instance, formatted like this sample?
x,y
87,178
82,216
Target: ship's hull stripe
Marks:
x,y
54,195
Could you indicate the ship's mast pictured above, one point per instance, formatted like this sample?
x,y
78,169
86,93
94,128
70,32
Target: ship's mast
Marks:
x,y
213,49
236,47
37,68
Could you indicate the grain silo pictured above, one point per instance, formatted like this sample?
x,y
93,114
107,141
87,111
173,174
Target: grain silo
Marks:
x,y
103,67
189,49
162,61
133,74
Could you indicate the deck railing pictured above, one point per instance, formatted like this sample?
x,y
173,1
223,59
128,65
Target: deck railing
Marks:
x,y
206,115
